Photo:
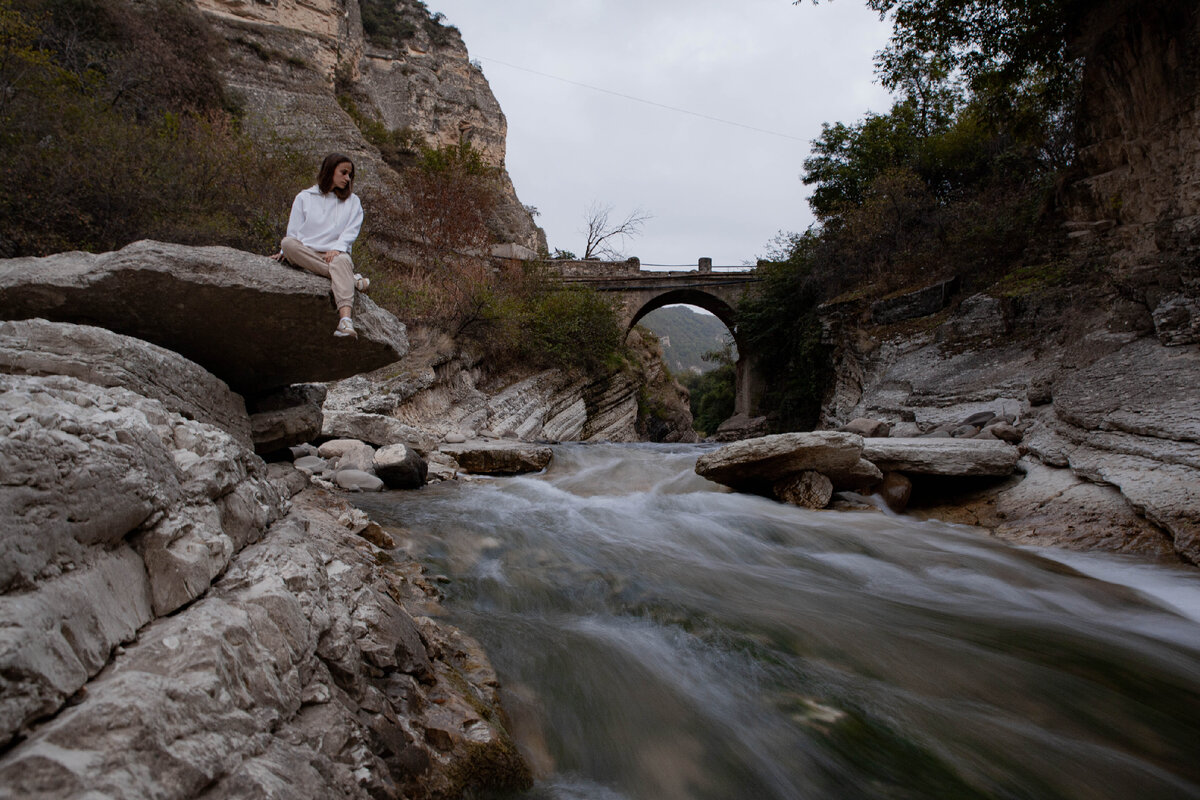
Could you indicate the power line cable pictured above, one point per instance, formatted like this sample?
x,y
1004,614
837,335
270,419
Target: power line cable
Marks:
x,y
642,100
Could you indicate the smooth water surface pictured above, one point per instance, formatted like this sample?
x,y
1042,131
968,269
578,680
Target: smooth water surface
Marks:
x,y
658,637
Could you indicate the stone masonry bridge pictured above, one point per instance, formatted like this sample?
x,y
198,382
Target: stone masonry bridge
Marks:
x,y
642,291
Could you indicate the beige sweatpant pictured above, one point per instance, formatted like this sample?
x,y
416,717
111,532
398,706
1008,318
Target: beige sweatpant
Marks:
x,y
340,272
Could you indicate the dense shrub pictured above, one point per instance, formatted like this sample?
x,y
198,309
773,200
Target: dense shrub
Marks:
x,y
94,166
712,394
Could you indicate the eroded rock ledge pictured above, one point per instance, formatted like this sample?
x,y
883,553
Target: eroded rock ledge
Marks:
x,y
178,619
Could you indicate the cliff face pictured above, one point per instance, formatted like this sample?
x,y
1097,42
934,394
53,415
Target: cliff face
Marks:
x,y
289,60
443,392
1101,373
1140,122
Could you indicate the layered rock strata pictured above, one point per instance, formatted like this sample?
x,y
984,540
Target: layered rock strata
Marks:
x,y
176,620
1108,417
805,469
256,324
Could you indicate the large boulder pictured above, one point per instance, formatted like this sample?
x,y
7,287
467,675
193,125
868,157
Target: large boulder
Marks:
x,y
104,358
400,467
755,465
932,456
254,323
287,417
499,458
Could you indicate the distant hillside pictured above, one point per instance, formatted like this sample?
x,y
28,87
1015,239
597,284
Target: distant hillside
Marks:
x,y
687,335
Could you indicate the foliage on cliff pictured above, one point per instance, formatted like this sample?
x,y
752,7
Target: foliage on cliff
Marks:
x,y
955,180
114,127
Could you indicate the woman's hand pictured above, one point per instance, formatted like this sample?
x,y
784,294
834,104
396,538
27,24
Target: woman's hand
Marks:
x,y
330,255
276,256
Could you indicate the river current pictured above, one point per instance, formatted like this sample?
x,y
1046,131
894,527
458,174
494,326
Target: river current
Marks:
x,y
660,638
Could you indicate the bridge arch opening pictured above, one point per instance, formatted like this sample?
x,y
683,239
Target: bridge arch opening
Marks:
x,y
746,388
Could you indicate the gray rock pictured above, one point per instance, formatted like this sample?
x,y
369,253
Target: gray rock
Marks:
x,y
858,478
400,467
498,458
348,454
355,480
979,315
806,489
93,466
288,417
311,465
1177,319
895,489
104,358
867,428
928,456
375,429
1056,507
1005,432
756,464
207,304
964,432
980,420
115,510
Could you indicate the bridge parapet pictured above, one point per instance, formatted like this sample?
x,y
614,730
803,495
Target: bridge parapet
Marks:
x,y
595,268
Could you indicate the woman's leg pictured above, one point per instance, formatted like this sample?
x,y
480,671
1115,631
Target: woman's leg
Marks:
x,y
340,272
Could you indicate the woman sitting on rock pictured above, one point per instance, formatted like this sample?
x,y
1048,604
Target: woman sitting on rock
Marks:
x,y
324,224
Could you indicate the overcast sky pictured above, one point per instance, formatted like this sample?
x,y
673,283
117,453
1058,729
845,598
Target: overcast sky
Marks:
x,y
713,189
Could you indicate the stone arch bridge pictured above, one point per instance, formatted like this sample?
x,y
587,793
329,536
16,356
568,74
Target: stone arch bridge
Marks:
x,y
642,291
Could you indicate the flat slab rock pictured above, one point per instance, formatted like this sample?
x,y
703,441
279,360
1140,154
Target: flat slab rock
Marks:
x,y
755,464
499,458
930,456
253,322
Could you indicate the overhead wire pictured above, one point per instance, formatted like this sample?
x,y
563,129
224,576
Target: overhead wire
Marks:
x,y
642,100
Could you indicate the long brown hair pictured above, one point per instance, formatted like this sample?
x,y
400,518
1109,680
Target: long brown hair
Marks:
x,y
325,176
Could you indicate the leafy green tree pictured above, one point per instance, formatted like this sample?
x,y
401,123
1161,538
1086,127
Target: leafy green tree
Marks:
x,y
712,394
780,325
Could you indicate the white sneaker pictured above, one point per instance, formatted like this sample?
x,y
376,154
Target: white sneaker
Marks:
x,y
345,328
361,283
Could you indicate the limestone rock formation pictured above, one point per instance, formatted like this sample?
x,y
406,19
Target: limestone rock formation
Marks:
x,y
1115,410
287,417
207,304
499,458
101,357
960,457
752,464
290,62
440,392
305,671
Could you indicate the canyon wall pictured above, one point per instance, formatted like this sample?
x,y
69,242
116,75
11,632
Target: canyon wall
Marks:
x,y
288,62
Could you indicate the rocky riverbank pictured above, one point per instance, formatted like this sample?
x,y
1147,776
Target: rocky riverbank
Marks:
x,y
1102,391
182,619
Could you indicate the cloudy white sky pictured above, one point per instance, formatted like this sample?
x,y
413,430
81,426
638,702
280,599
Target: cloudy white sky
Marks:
x,y
713,189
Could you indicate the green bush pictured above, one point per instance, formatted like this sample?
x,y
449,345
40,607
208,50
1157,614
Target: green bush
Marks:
x,y
712,394
109,173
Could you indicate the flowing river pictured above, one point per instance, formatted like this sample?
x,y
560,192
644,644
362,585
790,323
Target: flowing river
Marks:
x,y
660,638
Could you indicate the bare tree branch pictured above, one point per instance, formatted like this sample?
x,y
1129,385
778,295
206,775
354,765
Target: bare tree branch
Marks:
x,y
601,236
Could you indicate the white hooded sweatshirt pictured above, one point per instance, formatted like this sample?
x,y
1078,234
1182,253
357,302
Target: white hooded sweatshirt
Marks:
x,y
324,222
